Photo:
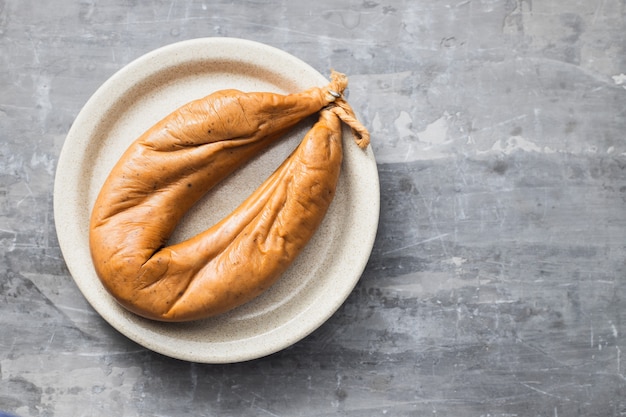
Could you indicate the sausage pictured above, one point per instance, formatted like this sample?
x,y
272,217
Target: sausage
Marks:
x,y
171,166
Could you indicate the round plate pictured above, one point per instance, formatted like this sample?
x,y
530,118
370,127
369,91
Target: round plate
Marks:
x,y
145,91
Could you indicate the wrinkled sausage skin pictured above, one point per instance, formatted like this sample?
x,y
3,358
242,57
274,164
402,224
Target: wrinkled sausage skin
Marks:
x,y
171,166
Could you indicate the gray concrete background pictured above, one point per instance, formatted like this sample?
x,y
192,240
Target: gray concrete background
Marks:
x,y
497,284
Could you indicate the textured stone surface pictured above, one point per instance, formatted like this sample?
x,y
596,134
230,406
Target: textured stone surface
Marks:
x,y
497,284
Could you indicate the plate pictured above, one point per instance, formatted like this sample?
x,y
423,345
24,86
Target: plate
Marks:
x,y
145,91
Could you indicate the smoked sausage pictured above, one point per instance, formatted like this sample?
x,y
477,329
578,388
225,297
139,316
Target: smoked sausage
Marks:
x,y
171,166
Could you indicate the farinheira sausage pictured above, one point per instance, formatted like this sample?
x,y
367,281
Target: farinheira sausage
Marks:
x,y
173,164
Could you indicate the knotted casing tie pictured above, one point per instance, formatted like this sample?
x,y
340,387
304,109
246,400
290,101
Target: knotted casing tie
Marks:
x,y
342,109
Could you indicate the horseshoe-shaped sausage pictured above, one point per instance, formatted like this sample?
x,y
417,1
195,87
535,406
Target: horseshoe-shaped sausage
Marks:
x,y
171,166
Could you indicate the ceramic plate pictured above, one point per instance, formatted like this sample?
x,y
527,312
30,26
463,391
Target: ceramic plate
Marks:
x,y
145,91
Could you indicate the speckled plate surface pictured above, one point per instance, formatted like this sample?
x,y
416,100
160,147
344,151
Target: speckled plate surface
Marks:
x,y
139,95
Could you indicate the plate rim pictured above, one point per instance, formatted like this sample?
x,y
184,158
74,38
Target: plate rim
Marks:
x,y
125,76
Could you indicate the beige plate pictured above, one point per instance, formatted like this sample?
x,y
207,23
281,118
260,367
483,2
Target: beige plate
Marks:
x,y
138,96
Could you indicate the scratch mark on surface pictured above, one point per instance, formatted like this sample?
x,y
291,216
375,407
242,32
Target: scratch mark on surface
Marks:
x,y
438,237
50,341
29,195
598,11
13,232
431,221
409,152
169,12
543,392
252,403
35,53
502,123
541,351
